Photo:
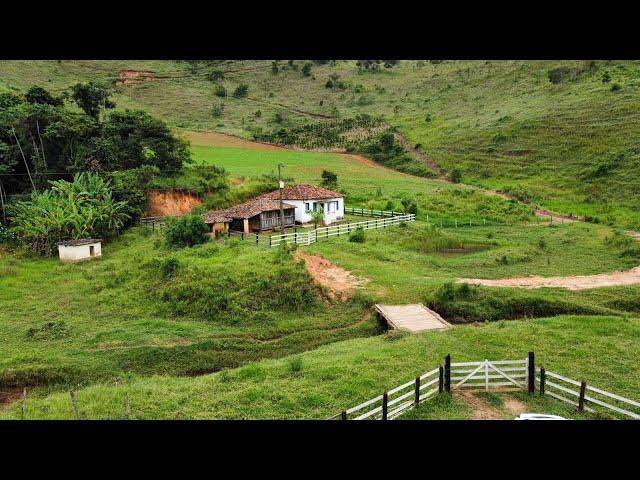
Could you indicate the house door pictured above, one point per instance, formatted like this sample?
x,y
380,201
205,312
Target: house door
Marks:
x,y
92,250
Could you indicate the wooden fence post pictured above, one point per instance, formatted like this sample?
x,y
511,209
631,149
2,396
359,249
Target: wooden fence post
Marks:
x,y
257,238
127,407
74,402
447,373
583,387
417,390
441,379
531,373
24,403
385,401
343,416
543,379
269,241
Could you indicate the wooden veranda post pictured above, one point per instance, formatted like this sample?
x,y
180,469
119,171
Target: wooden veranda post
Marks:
x,y
447,373
583,387
531,372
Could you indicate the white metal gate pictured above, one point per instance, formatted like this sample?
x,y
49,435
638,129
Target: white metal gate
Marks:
x,y
487,374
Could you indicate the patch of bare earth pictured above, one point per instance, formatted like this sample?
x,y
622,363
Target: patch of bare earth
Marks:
x,y
481,409
339,283
9,395
484,411
170,202
574,282
132,77
217,139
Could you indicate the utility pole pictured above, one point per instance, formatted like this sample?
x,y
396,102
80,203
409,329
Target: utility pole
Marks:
x,y
281,185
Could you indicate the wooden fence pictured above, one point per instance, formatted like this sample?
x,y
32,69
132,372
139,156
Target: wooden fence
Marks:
x,y
486,374
313,235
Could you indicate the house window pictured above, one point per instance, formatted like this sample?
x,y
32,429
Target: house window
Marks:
x,y
307,206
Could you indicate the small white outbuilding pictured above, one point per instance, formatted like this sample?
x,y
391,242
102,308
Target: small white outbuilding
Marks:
x,y
73,251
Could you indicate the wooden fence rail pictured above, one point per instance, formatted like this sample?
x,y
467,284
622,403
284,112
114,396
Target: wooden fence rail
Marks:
x,y
314,235
487,374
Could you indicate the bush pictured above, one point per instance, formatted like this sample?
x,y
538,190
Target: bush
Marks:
x,y
220,91
215,75
186,231
241,91
217,110
456,175
329,179
615,87
357,236
306,69
294,364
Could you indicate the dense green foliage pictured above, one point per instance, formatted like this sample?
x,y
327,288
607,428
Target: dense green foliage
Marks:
x,y
186,231
43,138
83,208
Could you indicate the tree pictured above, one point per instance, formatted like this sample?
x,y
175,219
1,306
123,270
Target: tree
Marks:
x,y
40,95
241,91
329,179
92,98
275,67
317,217
186,231
306,69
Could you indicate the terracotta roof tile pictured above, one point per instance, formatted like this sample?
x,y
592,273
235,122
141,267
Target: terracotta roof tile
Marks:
x,y
244,210
302,192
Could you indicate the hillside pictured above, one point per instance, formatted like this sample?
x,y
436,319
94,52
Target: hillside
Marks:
x,y
569,146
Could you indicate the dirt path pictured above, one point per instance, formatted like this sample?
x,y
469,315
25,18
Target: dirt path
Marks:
x,y
340,283
8,395
484,411
216,139
421,155
572,282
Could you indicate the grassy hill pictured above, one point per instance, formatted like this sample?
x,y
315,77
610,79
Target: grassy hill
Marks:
x,y
569,144
321,383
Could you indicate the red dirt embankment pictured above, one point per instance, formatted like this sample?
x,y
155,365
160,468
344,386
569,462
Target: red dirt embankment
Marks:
x,y
170,202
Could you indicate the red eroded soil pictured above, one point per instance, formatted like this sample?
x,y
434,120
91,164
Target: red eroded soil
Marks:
x,y
340,283
170,202
130,77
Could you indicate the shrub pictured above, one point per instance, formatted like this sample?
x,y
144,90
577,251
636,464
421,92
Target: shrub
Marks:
x,y
606,78
220,91
306,69
456,175
217,110
169,266
215,75
357,235
615,87
186,231
294,364
241,91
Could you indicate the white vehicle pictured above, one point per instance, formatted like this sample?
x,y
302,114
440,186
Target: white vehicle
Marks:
x,y
538,416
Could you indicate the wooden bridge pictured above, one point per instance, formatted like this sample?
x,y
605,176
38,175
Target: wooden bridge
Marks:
x,y
414,318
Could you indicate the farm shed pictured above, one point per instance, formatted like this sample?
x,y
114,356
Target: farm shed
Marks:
x,y
73,251
307,198
253,216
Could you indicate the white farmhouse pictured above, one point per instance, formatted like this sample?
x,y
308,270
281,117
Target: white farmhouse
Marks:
x,y
73,251
307,198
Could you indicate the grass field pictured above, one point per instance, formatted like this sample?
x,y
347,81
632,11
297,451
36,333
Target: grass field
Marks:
x,y
334,377
146,309
570,146
151,323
